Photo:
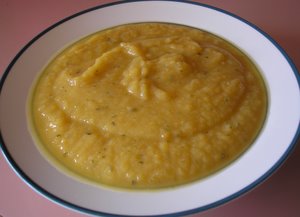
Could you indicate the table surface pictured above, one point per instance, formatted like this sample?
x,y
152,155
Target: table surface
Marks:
x,y
278,196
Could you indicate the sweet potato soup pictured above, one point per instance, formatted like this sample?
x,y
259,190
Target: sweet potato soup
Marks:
x,y
148,105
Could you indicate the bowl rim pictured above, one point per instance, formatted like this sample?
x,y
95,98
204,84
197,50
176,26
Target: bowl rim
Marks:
x,y
78,208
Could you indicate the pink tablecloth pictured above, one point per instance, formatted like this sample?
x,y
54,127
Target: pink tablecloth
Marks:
x,y
279,196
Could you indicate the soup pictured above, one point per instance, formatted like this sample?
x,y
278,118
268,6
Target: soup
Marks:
x,y
148,105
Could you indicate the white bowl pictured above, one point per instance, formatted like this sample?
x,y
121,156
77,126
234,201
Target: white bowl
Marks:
x,y
271,148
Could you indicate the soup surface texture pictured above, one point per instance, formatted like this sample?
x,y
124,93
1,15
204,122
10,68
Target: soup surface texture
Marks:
x,y
148,105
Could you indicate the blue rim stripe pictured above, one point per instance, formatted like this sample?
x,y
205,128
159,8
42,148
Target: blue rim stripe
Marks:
x,y
69,205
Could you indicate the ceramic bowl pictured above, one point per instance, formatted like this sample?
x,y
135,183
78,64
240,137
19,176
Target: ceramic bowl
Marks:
x,y
267,153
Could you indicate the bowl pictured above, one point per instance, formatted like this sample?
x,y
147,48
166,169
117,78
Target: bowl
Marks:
x,y
266,154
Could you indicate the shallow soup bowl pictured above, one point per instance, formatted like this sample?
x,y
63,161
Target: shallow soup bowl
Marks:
x,y
271,147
